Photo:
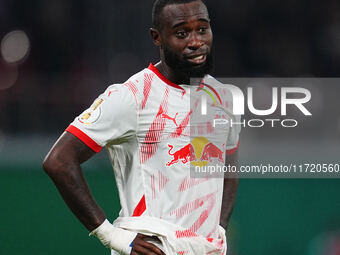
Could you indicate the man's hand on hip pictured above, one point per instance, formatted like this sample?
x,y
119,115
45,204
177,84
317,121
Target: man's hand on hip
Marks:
x,y
142,245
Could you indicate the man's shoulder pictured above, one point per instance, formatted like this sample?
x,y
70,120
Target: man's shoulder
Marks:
x,y
139,78
218,87
214,81
134,82
132,88
223,93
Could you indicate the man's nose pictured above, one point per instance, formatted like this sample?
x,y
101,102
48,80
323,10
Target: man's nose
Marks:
x,y
195,41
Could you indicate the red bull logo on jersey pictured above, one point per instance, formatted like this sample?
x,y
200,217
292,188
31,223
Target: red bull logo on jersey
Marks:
x,y
184,154
211,151
199,153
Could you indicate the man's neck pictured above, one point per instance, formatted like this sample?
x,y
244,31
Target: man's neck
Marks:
x,y
171,75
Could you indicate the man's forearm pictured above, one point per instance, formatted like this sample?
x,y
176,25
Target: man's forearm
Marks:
x,y
229,190
62,164
72,186
229,197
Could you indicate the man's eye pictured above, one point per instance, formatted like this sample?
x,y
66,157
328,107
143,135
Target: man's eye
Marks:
x,y
202,30
181,34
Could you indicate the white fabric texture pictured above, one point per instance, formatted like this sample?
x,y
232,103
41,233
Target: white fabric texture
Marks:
x,y
166,232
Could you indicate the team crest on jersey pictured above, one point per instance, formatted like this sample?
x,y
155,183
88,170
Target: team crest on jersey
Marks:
x,y
92,114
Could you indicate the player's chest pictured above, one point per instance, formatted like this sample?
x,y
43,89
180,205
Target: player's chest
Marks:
x,y
181,116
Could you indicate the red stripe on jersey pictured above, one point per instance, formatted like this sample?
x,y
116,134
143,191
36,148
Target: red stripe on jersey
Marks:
x,y
154,135
140,208
216,224
110,91
185,233
147,87
221,252
153,189
163,78
132,87
179,130
210,239
191,206
210,128
187,183
84,138
199,222
162,181
232,151
204,215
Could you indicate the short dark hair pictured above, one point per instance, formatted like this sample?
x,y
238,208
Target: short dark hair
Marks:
x,y
159,5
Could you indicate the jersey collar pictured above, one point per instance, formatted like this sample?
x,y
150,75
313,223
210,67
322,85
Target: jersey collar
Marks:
x,y
162,77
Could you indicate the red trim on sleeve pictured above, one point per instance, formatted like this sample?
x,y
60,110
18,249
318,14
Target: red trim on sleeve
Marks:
x,y
232,151
163,78
84,138
140,208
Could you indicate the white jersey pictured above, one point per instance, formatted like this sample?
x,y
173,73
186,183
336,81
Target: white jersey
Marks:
x,y
146,124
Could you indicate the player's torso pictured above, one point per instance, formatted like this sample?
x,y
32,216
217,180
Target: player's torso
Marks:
x,y
173,137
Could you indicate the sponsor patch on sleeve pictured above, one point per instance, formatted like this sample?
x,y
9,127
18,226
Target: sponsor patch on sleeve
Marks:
x,y
92,114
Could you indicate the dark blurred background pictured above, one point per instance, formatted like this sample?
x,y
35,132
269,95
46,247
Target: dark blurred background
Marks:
x,y
57,56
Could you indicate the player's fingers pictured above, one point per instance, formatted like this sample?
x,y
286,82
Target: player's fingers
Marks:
x,y
144,247
152,239
147,253
140,250
155,238
142,236
143,240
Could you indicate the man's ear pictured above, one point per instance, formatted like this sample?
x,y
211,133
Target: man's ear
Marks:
x,y
156,37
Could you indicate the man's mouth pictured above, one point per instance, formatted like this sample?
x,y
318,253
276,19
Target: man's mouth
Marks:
x,y
197,59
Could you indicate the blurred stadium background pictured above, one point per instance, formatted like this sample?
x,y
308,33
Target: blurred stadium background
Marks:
x,y
58,55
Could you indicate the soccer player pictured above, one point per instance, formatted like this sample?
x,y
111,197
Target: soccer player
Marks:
x,y
147,125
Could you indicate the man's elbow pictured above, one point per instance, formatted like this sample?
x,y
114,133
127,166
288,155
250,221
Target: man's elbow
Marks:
x,y
51,165
47,165
64,157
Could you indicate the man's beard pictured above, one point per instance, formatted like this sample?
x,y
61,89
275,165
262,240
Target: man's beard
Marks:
x,y
180,65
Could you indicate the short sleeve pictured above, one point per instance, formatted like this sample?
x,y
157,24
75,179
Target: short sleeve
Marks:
x,y
235,120
223,97
112,118
234,134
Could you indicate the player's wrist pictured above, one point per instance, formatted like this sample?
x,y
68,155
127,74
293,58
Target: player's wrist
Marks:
x,y
114,238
